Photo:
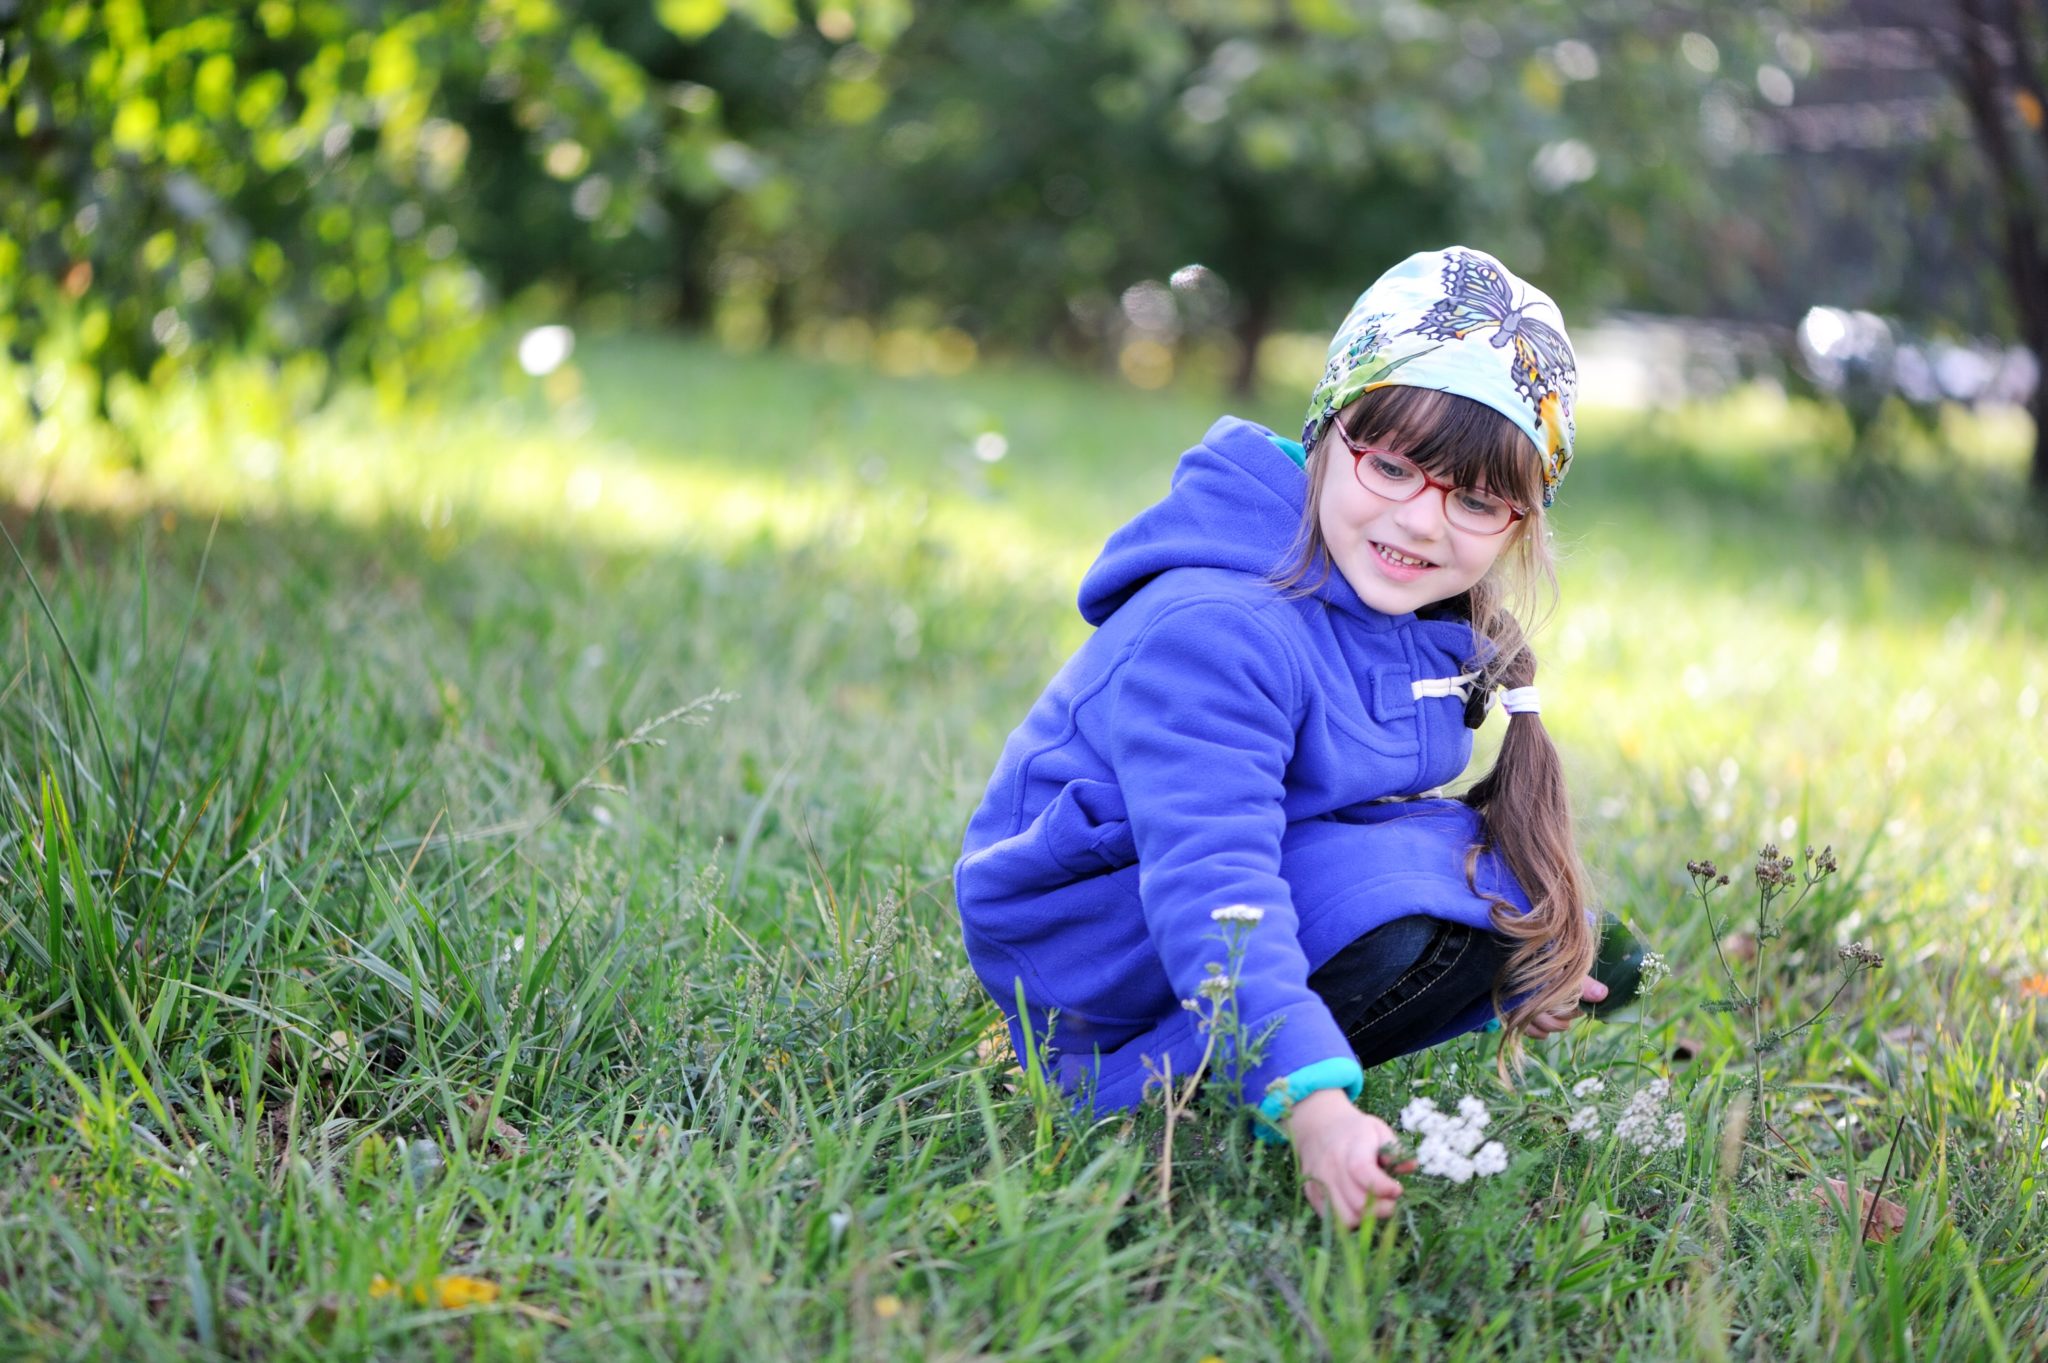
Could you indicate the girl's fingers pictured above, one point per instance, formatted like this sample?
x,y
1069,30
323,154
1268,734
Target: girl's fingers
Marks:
x,y
1341,1203
1342,1206
1373,1181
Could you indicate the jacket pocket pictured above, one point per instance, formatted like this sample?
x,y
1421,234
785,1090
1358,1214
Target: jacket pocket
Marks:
x,y
1084,831
1057,903
1088,828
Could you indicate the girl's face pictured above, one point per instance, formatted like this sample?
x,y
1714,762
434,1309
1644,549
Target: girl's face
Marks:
x,y
1398,556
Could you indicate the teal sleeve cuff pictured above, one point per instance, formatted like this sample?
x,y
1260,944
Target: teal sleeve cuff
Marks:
x,y
1338,1072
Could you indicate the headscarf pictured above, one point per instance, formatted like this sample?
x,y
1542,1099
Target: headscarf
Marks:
x,y
1457,320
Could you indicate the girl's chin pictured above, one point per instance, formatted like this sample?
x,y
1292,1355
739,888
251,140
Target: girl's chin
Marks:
x,y
1391,595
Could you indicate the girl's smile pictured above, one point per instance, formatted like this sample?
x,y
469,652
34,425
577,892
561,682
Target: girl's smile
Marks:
x,y
1402,567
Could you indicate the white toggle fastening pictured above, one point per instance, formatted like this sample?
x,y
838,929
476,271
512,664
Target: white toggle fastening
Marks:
x,y
1426,687
1521,700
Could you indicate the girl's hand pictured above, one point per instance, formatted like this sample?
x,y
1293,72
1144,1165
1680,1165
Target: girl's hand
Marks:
x,y
1339,1148
1549,1024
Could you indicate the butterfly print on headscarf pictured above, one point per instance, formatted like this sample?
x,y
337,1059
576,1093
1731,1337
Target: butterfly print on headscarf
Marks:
x,y
1478,297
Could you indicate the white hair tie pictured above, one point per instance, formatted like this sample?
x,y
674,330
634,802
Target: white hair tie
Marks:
x,y
1521,700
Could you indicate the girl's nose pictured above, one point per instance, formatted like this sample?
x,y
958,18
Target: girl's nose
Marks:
x,y
1422,517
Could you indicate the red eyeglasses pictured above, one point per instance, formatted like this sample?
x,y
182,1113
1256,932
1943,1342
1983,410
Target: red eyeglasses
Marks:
x,y
1399,479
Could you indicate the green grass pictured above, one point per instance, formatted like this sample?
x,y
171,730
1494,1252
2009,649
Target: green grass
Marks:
x,y
370,910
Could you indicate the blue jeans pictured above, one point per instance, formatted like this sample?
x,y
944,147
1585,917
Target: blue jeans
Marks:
x,y
1396,985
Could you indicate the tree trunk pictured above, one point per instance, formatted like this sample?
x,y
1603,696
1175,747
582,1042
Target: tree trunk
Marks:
x,y
781,310
2037,473
1981,55
1252,325
690,263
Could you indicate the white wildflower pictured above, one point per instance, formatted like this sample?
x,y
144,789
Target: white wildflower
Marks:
x,y
1437,1156
1216,988
1646,1125
1452,1144
1592,1084
1237,913
1586,1119
1655,971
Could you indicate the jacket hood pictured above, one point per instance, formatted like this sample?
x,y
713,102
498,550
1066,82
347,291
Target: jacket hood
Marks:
x,y
1235,503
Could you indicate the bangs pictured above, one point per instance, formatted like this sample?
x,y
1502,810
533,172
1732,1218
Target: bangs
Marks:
x,y
1451,437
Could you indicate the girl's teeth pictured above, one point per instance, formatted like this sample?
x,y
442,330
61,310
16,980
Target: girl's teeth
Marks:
x,y
1402,558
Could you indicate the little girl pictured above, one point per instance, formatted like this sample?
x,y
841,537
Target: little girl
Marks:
x,y
1293,648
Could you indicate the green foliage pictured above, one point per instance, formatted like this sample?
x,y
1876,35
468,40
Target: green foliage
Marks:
x,y
335,178
358,182
189,181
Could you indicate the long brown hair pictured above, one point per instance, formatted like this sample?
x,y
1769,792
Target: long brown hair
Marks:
x,y
1525,812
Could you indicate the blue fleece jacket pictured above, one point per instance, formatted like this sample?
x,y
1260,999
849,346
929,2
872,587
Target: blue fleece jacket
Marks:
x,y
1217,743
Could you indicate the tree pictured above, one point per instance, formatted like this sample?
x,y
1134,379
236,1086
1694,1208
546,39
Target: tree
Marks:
x,y
1994,54
182,179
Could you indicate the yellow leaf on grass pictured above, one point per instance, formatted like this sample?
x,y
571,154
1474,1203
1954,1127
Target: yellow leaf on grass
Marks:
x,y
449,1291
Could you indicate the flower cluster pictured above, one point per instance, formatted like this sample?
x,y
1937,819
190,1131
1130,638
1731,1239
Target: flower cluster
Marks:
x,y
1237,913
1706,871
1647,1124
1586,1121
1773,869
1856,953
1451,1145
1655,971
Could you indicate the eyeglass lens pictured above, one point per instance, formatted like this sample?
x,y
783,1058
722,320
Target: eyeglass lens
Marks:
x,y
1397,479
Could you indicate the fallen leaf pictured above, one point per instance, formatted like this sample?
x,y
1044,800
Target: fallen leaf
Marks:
x,y
1888,1219
449,1291
992,1047
502,1141
2034,987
